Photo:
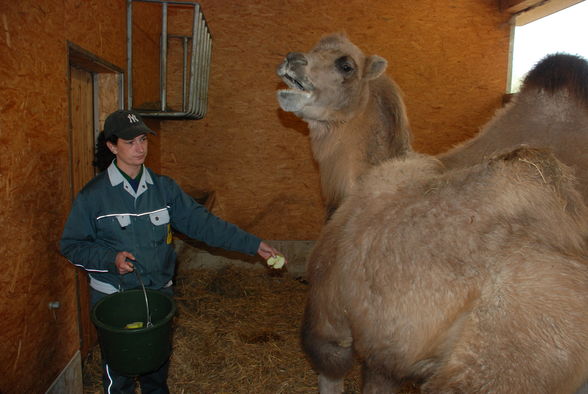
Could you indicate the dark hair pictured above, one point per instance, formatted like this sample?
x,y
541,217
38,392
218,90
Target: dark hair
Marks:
x,y
102,155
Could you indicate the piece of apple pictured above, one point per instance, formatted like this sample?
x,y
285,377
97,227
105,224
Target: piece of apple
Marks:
x,y
276,262
134,325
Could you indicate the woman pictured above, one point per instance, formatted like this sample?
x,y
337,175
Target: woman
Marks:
x,y
122,221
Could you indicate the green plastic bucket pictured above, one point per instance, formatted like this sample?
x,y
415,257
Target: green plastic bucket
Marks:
x,y
140,350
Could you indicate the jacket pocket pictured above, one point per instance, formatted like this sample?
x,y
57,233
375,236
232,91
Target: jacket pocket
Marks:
x,y
159,221
123,220
159,218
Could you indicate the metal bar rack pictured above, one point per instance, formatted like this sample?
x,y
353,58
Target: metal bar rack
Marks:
x,y
195,69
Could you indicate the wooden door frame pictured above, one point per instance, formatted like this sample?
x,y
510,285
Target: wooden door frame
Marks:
x,y
104,75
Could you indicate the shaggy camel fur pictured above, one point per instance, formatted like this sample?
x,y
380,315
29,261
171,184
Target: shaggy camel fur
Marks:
x,y
355,113
473,280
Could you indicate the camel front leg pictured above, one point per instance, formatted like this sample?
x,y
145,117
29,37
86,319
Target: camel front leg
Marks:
x,y
327,385
583,389
375,382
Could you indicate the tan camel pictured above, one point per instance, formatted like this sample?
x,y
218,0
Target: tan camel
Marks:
x,y
473,280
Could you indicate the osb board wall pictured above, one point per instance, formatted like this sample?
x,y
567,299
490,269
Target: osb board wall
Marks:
x,y
450,59
35,185
146,45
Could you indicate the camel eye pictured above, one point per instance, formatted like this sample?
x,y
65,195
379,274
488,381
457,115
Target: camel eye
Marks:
x,y
345,64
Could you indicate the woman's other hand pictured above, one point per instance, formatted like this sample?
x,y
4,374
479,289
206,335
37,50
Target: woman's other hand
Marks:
x,y
123,265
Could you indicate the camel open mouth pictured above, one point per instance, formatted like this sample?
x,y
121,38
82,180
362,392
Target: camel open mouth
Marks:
x,y
293,83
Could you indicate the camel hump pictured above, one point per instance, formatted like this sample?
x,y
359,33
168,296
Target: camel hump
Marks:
x,y
559,72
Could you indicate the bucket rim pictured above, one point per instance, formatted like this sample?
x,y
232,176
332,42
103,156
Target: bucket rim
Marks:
x,y
165,320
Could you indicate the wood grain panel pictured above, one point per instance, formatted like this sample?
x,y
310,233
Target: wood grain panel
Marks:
x,y
449,58
82,144
35,178
82,130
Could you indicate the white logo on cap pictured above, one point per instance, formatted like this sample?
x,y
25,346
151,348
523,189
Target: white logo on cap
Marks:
x,y
132,118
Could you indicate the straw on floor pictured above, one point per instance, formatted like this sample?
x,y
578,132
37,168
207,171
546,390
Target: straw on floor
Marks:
x,y
236,331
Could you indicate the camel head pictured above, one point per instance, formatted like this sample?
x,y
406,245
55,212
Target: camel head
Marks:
x,y
330,82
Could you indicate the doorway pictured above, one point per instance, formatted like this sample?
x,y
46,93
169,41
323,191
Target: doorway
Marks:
x,y
96,89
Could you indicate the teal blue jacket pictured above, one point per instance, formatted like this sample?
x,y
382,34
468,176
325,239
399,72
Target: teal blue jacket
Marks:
x,y
108,217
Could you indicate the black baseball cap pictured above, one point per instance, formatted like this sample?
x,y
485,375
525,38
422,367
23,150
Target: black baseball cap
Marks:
x,y
125,124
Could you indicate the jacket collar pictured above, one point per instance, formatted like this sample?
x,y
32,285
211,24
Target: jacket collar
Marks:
x,y
116,178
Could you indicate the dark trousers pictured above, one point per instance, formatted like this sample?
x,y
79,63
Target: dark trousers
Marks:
x,y
114,383
152,383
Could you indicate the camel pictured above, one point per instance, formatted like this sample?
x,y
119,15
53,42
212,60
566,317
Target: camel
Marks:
x,y
468,270
355,113
472,280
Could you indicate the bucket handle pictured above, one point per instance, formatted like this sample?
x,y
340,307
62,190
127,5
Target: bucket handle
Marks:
x,y
149,324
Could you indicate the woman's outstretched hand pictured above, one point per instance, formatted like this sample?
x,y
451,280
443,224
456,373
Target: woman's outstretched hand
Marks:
x,y
271,255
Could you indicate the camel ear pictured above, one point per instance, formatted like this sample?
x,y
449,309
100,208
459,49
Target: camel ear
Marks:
x,y
374,67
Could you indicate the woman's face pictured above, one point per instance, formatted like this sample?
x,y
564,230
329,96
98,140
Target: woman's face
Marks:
x,y
130,153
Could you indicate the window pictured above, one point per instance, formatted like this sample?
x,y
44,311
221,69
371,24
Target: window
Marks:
x,y
556,26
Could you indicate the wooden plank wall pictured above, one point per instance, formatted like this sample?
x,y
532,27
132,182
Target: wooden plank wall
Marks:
x,y
82,156
36,343
449,57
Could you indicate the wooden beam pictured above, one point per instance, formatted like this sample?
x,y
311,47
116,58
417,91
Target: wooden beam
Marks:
x,y
543,9
514,6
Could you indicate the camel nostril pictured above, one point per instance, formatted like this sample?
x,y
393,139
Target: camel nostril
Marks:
x,y
296,58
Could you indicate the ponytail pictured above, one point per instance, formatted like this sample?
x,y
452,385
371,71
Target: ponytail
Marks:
x,y
102,155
